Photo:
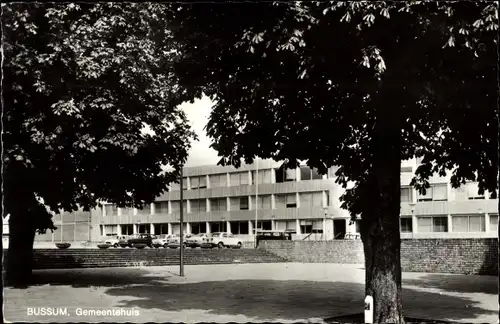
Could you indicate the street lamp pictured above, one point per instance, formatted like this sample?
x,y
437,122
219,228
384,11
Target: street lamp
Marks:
x,y
412,206
325,211
181,225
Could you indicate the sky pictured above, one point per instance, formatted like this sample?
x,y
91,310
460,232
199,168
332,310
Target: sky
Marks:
x,y
198,113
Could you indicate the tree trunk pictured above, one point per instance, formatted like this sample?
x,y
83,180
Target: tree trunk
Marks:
x,y
380,223
20,252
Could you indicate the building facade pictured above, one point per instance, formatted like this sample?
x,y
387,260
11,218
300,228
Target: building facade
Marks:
x,y
268,196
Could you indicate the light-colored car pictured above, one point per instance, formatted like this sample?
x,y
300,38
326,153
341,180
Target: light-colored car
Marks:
x,y
228,240
114,240
162,240
174,241
202,240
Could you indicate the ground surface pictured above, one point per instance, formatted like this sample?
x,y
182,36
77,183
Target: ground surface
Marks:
x,y
288,292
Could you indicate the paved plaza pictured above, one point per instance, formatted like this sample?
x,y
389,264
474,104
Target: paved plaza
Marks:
x,y
289,292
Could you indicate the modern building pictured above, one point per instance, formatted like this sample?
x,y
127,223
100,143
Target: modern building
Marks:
x,y
269,196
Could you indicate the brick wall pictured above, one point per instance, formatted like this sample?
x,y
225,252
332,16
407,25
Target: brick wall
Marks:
x,y
463,256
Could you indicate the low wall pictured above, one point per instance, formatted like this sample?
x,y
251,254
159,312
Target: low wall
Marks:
x,y
95,258
461,256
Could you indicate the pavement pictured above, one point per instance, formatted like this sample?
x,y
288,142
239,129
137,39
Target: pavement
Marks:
x,y
285,292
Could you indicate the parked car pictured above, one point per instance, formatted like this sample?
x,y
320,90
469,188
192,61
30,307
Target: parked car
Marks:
x,y
123,241
352,236
114,241
146,239
228,240
162,240
202,240
174,241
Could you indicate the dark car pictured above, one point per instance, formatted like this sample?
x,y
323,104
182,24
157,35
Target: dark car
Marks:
x,y
146,239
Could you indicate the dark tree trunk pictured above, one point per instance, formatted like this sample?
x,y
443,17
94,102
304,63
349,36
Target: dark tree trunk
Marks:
x,y
20,251
380,224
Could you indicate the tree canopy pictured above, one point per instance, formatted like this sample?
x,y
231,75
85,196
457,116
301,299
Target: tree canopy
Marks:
x,y
81,84
310,75
358,85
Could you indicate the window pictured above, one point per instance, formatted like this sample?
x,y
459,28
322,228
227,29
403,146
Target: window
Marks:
x,y
493,223
327,198
264,176
184,184
198,205
305,173
432,224
311,199
146,209
203,182
317,226
127,229
264,202
406,169
195,182
406,225
306,227
161,207
263,225
176,206
406,195
315,174
285,201
284,174
473,191
218,204
111,210
244,203
238,179
239,227
437,192
197,228
284,225
198,182
218,180
161,229
474,223
291,201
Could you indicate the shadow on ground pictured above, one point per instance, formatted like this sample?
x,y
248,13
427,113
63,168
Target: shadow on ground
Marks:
x,y
456,283
292,299
88,278
257,299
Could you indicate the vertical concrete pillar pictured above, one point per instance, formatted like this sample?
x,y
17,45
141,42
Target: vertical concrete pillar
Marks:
x,y
297,222
170,230
208,227
152,228
228,226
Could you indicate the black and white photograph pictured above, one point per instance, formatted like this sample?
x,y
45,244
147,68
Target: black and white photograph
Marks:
x,y
250,162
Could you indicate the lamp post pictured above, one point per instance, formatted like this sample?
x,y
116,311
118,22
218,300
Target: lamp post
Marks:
x,y
256,198
412,206
181,226
325,211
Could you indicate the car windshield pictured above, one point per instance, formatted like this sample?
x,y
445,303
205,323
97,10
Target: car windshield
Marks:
x,y
200,235
215,234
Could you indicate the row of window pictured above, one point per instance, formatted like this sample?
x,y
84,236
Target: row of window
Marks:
x,y
439,192
248,178
236,227
307,199
459,224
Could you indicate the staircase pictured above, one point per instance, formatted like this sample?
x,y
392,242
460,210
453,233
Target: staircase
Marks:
x,y
96,258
